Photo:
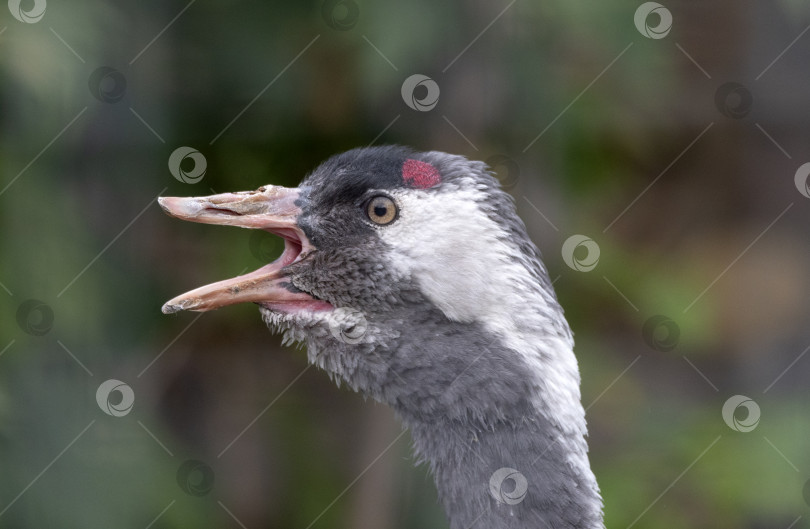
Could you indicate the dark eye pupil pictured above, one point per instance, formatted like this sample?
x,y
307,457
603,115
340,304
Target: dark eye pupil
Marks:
x,y
380,211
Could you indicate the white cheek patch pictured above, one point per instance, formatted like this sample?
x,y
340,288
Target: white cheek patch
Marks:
x,y
440,241
463,261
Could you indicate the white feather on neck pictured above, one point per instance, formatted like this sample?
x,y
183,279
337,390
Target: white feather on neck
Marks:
x,y
465,264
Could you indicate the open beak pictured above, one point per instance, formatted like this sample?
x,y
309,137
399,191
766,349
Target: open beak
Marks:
x,y
270,208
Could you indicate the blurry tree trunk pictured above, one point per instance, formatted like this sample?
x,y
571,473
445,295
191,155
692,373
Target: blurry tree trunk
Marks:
x,y
372,499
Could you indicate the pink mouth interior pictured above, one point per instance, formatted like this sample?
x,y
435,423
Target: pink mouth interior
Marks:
x,y
291,254
292,247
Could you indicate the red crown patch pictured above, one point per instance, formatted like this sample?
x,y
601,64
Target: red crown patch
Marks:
x,y
421,175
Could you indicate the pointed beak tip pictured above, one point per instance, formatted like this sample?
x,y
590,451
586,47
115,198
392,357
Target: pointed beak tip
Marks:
x,y
170,308
165,204
185,208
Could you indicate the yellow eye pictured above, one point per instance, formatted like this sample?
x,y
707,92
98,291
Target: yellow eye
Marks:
x,y
381,210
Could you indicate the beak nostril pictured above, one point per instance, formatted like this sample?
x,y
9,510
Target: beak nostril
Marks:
x,y
223,211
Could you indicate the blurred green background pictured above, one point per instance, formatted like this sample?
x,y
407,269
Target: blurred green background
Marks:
x,y
685,182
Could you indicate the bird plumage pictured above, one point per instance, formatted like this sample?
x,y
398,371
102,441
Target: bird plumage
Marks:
x,y
446,314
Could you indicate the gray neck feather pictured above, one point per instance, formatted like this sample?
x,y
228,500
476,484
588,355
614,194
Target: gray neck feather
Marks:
x,y
465,448
464,461
468,426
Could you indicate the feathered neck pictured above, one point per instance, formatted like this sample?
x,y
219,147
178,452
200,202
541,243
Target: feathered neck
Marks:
x,y
518,472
